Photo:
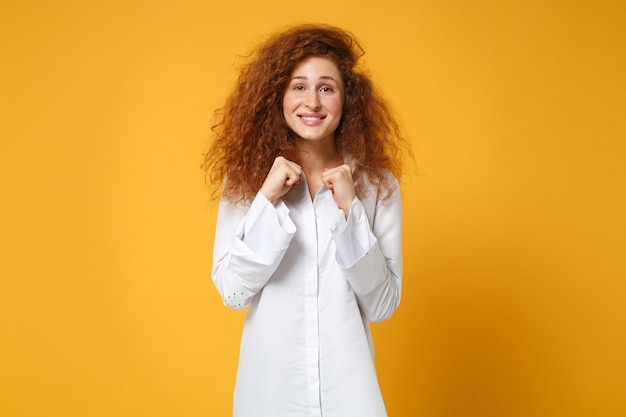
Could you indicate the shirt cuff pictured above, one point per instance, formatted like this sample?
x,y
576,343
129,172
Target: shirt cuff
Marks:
x,y
266,228
353,237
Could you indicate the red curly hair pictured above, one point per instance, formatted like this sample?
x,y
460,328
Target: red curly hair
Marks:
x,y
250,130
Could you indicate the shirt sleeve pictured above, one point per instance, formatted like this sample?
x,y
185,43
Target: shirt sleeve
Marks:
x,y
249,244
369,251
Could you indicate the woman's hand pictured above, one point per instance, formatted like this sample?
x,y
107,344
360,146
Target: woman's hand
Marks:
x,y
339,181
282,176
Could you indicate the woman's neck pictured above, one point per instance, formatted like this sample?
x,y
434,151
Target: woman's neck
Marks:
x,y
314,156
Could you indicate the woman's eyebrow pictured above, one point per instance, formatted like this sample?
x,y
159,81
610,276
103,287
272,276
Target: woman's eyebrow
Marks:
x,y
304,77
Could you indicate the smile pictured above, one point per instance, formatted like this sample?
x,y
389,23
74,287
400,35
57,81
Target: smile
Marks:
x,y
312,118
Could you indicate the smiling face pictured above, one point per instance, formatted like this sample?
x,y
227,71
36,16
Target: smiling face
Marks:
x,y
313,100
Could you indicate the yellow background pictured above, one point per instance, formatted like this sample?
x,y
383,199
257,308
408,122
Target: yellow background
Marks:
x,y
514,296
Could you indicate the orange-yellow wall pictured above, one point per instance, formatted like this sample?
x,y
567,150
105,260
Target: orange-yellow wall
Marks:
x,y
515,285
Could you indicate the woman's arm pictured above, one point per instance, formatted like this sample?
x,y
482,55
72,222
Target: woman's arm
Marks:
x,y
250,242
371,256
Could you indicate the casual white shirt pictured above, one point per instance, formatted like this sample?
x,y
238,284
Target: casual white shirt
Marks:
x,y
313,282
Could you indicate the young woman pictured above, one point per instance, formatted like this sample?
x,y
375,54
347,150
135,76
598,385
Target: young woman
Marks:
x,y
308,236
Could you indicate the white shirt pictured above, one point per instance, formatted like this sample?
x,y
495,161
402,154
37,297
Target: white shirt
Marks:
x,y
313,281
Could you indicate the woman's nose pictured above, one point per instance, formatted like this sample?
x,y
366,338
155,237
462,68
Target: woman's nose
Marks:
x,y
312,100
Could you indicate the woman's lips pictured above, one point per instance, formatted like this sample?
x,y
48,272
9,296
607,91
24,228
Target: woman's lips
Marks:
x,y
312,119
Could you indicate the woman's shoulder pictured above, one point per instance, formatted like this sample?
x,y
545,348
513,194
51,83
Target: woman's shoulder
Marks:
x,y
378,187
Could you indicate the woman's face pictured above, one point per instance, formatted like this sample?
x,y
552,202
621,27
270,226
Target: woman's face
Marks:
x,y
313,100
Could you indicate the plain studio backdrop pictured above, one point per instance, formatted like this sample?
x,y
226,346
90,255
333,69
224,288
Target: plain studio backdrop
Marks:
x,y
514,299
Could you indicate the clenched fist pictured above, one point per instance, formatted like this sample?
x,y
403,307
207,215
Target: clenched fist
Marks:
x,y
339,181
282,176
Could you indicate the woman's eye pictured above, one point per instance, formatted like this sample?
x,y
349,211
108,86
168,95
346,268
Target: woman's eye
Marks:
x,y
298,88
326,89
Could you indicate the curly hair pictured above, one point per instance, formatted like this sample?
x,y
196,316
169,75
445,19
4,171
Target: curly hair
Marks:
x,y
250,129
